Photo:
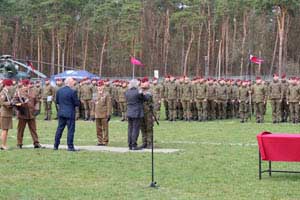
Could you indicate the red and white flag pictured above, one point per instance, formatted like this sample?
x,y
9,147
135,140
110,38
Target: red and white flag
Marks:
x,y
136,62
256,60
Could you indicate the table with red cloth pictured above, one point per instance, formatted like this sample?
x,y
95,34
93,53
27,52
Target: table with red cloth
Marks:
x,y
279,147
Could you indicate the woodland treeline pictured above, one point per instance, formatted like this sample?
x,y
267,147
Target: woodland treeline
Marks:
x,y
179,37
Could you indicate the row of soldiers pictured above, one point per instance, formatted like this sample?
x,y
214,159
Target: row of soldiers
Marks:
x,y
185,99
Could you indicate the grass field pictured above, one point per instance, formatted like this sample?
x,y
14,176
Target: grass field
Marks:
x,y
218,160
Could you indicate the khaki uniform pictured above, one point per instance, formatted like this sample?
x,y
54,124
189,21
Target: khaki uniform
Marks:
x,y
102,114
26,114
6,98
293,94
275,97
48,94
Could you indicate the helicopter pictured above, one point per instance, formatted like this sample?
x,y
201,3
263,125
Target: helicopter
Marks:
x,y
9,69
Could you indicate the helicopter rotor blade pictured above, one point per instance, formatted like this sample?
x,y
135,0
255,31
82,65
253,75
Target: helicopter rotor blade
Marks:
x,y
29,68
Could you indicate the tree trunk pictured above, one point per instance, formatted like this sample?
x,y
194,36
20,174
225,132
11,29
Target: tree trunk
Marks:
x,y
188,52
166,41
227,47
233,52
207,64
245,19
198,68
274,53
16,37
182,50
102,53
281,29
86,47
52,52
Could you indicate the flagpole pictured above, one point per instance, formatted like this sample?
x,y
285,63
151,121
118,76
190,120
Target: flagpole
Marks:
x,y
133,68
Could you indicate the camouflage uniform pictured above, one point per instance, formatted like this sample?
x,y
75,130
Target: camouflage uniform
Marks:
x,y
165,94
259,99
243,98
122,102
293,93
199,95
284,106
86,94
48,94
156,90
179,106
222,96
186,99
209,102
275,97
147,124
172,92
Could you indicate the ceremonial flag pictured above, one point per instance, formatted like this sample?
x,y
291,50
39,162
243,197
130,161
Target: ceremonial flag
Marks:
x,y
256,60
30,65
136,62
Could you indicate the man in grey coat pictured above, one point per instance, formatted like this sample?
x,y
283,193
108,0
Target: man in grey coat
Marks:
x,y
135,99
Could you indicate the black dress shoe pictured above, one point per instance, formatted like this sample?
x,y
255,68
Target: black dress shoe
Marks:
x,y
73,149
100,144
38,146
130,148
19,146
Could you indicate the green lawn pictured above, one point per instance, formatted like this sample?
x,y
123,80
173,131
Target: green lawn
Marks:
x,y
218,160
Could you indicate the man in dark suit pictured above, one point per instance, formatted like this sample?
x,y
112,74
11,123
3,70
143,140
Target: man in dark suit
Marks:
x,y
67,100
135,113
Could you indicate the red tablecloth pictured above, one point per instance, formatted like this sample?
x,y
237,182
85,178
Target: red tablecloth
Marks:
x,y
279,147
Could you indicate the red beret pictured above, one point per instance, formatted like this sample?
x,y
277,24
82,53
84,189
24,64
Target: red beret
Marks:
x,y
7,82
283,76
100,83
25,82
145,79
275,75
154,79
258,78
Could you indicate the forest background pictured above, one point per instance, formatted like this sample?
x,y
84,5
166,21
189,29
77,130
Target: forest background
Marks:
x,y
178,37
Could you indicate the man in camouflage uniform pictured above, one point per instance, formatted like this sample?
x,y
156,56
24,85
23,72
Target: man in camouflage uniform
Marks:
x,y
94,96
147,121
194,111
199,95
275,96
156,90
59,84
186,99
259,95
179,108
243,99
164,95
48,94
284,106
210,101
122,100
222,96
86,94
38,91
172,92
293,94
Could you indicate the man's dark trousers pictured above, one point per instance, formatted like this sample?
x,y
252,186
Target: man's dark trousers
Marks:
x,y
62,123
133,131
